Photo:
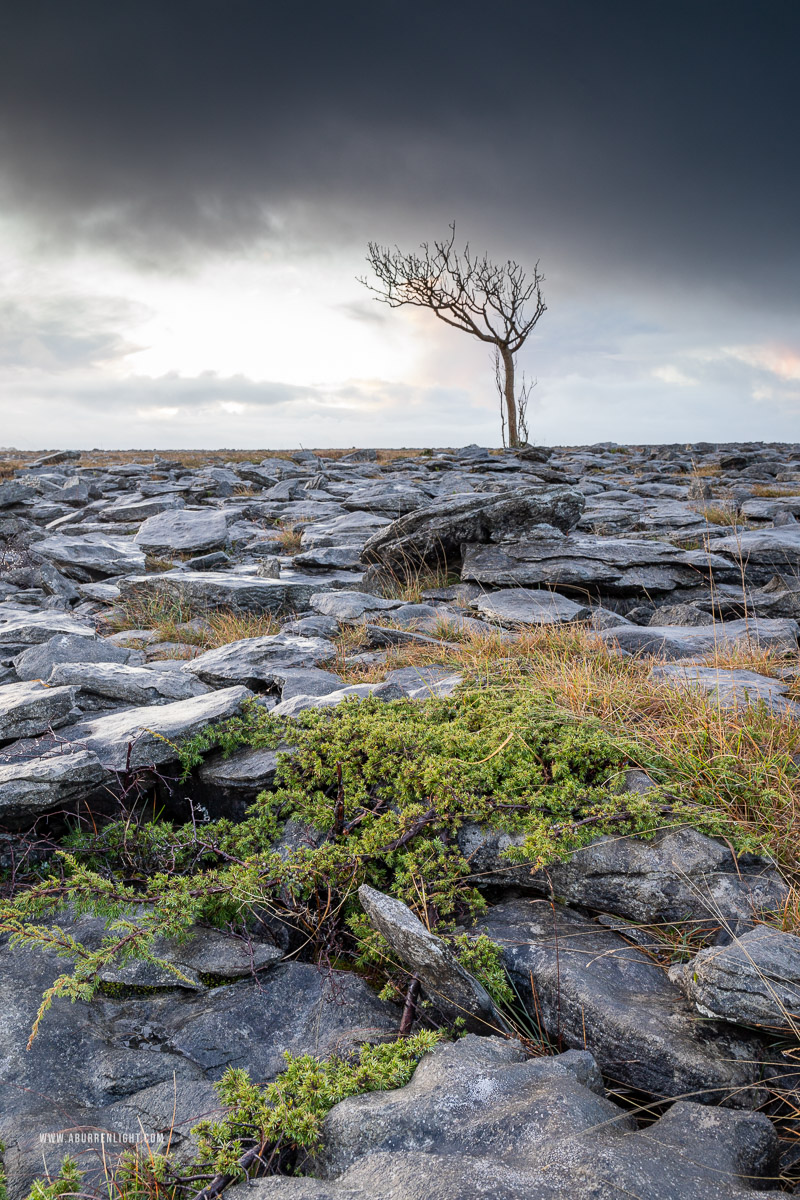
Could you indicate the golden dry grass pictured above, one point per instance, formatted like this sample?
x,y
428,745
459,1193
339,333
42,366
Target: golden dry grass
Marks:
x,y
291,539
707,472
175,624
718,514
768,491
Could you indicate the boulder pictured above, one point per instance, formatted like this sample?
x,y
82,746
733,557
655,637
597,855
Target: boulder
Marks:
x,y
183,531
521,606
434,534
91,556
29,708
201,591
260,662
753,981
589,988
480,1121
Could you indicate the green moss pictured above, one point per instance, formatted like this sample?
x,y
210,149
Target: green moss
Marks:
x,y
127,991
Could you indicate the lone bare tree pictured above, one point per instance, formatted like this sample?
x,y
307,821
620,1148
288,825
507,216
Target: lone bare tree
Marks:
x,y
469,293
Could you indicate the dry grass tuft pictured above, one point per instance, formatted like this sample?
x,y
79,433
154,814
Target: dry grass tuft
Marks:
x,y
8,466
410,584
291,539
177,624
718,514
707,472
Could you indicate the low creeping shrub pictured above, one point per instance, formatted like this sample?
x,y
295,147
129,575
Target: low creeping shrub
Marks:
x,y
380,792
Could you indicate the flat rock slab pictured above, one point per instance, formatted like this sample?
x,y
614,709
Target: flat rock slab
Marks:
x,y
618,565
92,555
681,614
522,606
256,662
126,685
138,737
201,591
480,1122
245,771
203,953
30,708
730,689
350,606
38,785
12,493
183,531
391,499
306,681
753,981
19,627
676,642
353,692
353,528
422,683
763,551
589,987
136,508
343,558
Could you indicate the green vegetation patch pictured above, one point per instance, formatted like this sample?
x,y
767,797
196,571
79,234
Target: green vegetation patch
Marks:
x,y
372,792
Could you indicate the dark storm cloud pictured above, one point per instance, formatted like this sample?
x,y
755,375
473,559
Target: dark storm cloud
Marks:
x,y
658,137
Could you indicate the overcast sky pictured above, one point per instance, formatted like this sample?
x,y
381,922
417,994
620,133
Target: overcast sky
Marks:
x,y
188,187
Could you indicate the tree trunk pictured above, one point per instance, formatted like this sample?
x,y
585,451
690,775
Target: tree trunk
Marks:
x,y
508,392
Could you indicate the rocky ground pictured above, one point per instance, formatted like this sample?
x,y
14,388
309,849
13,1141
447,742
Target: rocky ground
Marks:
x,y
144,602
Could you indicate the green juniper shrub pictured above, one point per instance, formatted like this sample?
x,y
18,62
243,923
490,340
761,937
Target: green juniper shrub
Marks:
x,y
66,1183
286,1116
280,1123
386,787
